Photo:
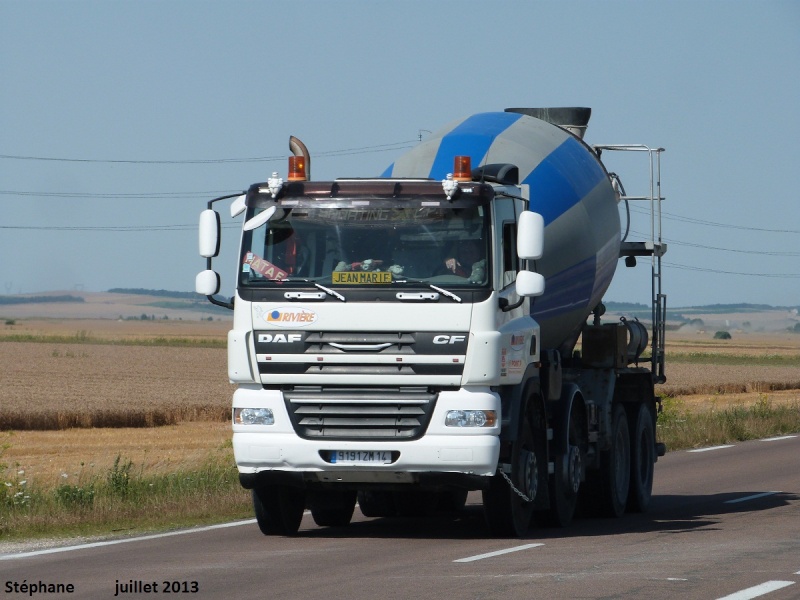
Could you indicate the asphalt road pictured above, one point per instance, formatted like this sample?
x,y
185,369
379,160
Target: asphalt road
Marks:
x,y
724,523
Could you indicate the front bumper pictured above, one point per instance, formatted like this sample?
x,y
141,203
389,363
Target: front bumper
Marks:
x,y
441,450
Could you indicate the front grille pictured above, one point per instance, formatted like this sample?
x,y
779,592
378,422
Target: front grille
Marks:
x,y
339,413
356,353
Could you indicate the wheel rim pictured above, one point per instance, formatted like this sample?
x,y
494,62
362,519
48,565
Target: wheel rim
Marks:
x,y
529,474
574,469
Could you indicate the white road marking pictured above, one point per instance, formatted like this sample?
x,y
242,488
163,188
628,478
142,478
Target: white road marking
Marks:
x,y
779,438
758,590
154,536
753,497
711,448
497,553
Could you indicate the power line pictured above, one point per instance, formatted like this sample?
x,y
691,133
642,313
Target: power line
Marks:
x,y
116,228
720,272
342,152
740,251
683,219
134,195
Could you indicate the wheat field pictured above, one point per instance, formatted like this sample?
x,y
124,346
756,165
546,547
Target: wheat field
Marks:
x,y
69,408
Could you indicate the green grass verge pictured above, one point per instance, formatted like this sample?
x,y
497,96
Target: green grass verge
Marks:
x,y
681,428
749,360
121,501
127,500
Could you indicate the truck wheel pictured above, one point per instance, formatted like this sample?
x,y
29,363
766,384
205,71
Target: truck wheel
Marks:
x,y
453,501
416,503
506,512
376,504
566,481
279,509
332,508
615,471
643,458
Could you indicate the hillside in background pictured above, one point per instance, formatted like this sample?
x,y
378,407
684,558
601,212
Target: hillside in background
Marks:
x,y
114,304
727,317
138,303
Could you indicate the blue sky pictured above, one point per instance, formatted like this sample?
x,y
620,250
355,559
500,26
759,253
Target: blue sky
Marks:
x,y
152,108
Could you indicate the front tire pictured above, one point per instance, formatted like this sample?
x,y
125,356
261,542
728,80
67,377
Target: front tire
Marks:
x,y
279,509
507,513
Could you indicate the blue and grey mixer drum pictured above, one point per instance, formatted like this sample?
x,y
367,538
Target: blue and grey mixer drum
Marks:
x,y
569,187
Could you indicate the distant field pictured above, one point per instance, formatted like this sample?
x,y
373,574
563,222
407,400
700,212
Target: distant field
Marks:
x,y
90,390
59,374
112,305
56,386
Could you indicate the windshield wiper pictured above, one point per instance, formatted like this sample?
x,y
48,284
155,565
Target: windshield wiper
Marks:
x,y
299,295
445,292
435,288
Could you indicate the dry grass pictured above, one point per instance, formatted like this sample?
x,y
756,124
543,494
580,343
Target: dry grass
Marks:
x,y
746,366
90,394
114,330
73,397
686,379
58,386
51,458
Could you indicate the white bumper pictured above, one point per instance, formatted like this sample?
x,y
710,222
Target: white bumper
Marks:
x,y
442,449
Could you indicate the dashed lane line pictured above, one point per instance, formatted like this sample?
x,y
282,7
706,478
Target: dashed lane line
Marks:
x,y
497,553
752,497
154,536
709,449
757,590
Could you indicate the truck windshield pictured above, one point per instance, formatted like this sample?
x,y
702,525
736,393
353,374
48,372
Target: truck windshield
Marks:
x,y
383,244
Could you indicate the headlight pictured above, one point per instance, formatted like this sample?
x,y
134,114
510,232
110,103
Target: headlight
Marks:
x,y
253,416
470,418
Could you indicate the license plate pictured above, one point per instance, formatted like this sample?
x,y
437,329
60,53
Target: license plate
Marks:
x,y
383,457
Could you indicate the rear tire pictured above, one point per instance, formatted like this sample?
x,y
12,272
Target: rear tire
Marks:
x,y
453,501
643,458
376,504
279,509
332,508
415,503
566,480
615,471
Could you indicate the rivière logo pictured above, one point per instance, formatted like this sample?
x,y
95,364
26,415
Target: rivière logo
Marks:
x,y
290,317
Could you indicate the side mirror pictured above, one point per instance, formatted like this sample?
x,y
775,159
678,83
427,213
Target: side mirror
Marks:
x,y
207,283
530,283
530,235
209,233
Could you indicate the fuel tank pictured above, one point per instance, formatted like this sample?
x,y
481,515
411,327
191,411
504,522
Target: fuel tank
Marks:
x,y
569,187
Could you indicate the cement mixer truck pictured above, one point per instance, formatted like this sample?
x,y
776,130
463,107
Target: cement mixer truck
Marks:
x,y
403,340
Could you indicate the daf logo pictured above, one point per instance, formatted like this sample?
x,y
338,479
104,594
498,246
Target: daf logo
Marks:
x,y
280,338
448,339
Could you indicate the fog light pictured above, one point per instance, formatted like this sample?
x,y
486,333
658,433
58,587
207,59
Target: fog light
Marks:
x,y
470,418
253,416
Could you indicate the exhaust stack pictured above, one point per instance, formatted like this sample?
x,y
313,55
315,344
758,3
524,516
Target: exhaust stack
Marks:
x,y
573,119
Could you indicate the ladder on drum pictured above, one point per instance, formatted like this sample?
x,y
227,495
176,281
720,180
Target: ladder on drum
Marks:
x,y
654,247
